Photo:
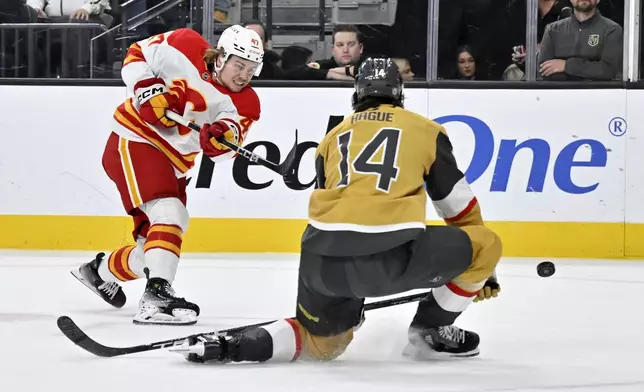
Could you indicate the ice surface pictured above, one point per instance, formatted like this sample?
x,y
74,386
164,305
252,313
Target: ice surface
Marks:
x,y
579,330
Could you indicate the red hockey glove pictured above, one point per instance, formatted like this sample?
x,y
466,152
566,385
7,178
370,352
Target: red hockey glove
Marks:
x,y
209,134
154,99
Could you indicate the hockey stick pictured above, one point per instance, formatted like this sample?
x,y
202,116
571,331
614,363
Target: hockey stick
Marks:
x,y
285,169
69,328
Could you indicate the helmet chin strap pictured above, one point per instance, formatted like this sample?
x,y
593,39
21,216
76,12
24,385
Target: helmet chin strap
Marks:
x,y
217,70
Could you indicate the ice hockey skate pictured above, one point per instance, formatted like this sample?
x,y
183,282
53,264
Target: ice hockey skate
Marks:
x,y
160,305
111,292
440,343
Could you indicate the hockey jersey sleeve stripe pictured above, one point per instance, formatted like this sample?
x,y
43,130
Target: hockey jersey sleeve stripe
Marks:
x,y
448,189
134,54
458,202
134,72
463,213
141,64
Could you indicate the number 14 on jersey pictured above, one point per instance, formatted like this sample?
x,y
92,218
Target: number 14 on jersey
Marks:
x,y
386,169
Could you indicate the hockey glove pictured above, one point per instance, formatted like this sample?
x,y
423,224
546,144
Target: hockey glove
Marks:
x,y
491,290
202,348
154,99
210,133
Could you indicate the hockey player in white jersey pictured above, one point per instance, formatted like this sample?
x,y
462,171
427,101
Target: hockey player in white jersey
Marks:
x,y
147,155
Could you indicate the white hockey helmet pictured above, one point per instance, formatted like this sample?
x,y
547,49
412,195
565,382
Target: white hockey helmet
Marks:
x,y
242,42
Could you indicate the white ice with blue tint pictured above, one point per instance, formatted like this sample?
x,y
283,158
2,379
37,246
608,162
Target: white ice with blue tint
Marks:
x,y
579,330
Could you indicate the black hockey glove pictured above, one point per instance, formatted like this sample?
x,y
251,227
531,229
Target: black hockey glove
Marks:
x,y
491,290
203,348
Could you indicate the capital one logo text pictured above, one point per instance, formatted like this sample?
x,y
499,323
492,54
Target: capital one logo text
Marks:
x,y
544,160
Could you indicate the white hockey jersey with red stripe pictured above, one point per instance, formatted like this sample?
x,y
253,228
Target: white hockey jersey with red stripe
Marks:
x,y
177,58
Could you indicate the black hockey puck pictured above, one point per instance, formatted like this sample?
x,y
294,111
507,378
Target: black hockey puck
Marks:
x,y
546,269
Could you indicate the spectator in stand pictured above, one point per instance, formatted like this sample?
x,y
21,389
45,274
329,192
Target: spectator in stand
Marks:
x,y
295,56
549,11
347,51
77,40
466,64
61,11
16,11
404,68
585,46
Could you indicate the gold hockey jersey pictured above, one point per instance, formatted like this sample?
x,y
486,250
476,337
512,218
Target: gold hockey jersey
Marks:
x,y
373,170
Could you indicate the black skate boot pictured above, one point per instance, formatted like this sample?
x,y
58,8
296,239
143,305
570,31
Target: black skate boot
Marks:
x,y
441,342
160,305
111,292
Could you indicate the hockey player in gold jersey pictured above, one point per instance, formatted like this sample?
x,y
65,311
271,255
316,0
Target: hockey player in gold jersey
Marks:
x,y
367,237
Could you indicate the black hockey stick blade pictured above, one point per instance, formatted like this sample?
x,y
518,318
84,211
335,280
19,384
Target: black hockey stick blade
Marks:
x,y
288,168
69,328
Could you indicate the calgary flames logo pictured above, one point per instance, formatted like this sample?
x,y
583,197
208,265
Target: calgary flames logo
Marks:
x,y
187,96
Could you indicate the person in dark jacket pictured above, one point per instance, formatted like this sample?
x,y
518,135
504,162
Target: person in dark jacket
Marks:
x,y
295,56
347,51
585,46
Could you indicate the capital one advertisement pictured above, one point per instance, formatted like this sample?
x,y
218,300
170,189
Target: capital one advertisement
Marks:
x,y
529,155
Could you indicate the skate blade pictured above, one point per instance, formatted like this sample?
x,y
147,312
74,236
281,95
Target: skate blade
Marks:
x,y
427,354
158,318
76,274
164,322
